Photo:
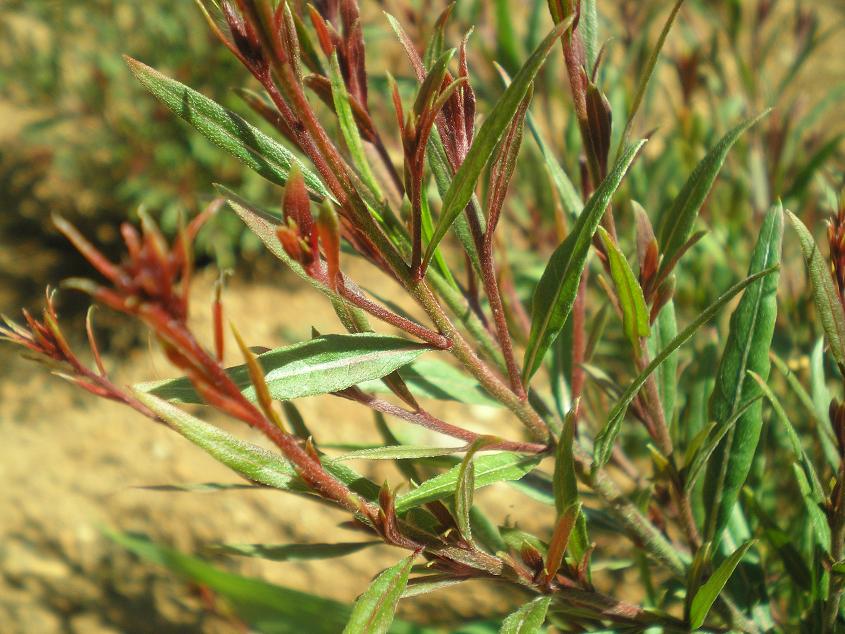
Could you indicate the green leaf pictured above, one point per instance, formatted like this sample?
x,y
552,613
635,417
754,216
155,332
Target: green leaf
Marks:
x,y
489,469
465,490
528,619
252,462
747,348
349,128
607,436
710,590
665,329
463,184
323,365
375,609
677,222
292,552
225,129
400,452
628,290
268,608
824,293
436,379
794,439
813,504
558,286
565,486
588,26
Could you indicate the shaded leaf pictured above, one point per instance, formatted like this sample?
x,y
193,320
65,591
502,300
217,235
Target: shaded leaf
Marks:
x,y
710,590
268,608
292,552
747,348
558,286
565,486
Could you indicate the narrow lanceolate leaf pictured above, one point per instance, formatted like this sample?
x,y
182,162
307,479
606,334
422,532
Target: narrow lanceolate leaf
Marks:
x,y
588,26
292,552
435,379
463,184
375,609
665,329
677,222
489,469
747,349
565,486
225,129
603,445
628,290
528,619
558,286
569,196
465,491
400,452
252,462
326,364
710,590
349,128
825,296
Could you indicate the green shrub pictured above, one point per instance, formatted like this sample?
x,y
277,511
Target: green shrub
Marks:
x,y
563,263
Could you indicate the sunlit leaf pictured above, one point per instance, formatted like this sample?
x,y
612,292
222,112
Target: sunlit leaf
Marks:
x,y
374,610
528,619
603,445
463,184
225,129
326,364
558,286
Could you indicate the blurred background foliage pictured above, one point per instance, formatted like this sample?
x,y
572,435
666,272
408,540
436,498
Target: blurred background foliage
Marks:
x,y
82,139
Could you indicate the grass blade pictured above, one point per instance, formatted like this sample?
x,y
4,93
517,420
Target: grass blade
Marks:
x,y
558,286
